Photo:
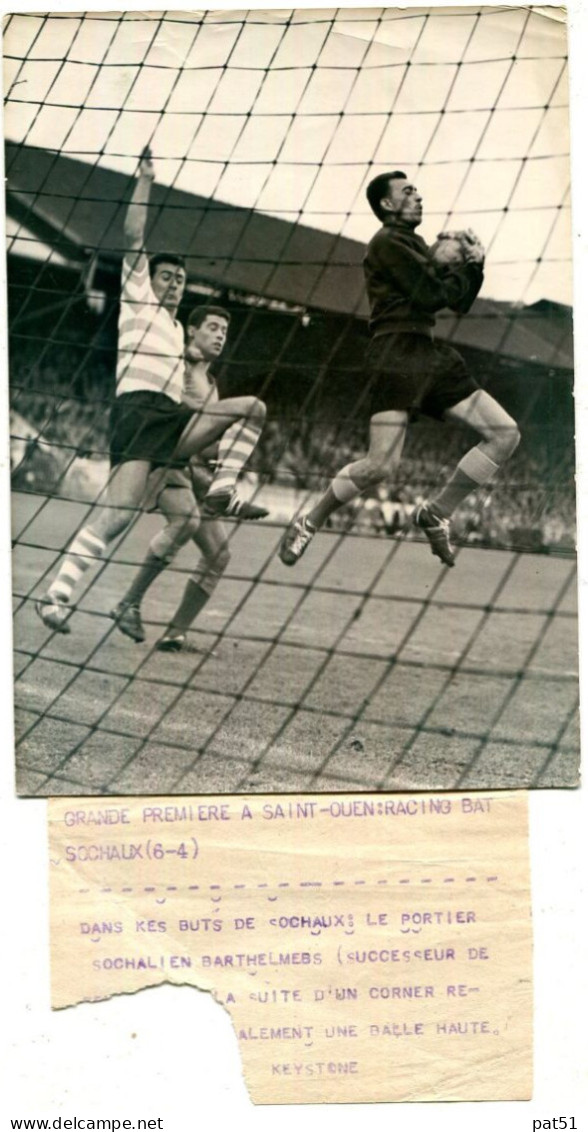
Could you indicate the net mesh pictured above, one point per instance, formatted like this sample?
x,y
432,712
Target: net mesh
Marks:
x,y
368,666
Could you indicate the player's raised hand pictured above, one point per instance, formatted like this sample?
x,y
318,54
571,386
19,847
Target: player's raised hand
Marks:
x,y
146,168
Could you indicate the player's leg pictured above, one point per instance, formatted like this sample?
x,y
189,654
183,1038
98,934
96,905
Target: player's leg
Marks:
x,y
499,432
236,424
499,438
123,501
387,433
179,507
211,539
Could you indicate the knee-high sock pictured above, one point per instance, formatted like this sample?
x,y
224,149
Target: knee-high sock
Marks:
x,y
342,489
162,549
474,470
198,589
234,449
86,549
144,578
208,573
193,601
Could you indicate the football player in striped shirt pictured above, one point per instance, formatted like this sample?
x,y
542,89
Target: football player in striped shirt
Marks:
x,y
150,425
178,493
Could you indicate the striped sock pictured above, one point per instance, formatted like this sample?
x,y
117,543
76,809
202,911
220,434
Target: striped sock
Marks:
x,y
85,549
234,449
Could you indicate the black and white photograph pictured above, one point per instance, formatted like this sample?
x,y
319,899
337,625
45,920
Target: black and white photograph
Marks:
x,y
291,400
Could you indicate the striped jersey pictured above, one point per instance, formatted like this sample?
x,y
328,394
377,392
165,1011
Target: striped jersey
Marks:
x,y
150,341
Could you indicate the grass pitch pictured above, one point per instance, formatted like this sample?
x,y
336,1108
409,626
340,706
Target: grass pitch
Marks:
x,y
367,667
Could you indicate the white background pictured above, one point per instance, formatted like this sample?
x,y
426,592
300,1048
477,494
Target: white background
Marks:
x,y
171,1052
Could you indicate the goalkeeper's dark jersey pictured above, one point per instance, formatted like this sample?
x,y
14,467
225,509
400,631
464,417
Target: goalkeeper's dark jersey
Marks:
x,y
406,288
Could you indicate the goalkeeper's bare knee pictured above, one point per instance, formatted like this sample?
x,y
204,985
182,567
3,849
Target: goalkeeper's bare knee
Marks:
x,y
502,442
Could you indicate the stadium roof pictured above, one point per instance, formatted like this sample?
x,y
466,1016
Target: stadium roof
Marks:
x,y
290,112
77,209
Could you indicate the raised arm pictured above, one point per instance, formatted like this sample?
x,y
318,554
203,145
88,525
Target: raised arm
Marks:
x,y
136,217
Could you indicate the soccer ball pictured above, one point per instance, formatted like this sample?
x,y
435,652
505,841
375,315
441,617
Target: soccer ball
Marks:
x,y
448,251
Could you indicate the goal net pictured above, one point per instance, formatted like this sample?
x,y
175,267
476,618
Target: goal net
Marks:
x,y
368,666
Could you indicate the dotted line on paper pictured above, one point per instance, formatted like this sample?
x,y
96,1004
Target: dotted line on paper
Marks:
x,y
286,884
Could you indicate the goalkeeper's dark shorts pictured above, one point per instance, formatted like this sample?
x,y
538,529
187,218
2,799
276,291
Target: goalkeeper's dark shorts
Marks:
x,y
146,426
408,371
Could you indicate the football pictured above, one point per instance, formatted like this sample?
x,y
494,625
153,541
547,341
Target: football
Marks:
x,y
448,251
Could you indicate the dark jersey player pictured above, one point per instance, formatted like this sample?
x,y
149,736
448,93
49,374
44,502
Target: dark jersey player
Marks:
x,y
408,368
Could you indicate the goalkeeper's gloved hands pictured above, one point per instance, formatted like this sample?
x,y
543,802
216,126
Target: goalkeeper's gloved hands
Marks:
x,y
473,248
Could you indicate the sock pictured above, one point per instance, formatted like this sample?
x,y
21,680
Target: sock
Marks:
x,y
234,449
474,470
86,549
193,601
208,574
342,490
145,576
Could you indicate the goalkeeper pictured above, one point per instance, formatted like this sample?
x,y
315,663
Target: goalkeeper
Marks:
x,y
407,283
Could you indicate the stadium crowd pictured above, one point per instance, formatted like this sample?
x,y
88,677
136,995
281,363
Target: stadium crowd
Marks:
x,y
59,411
533,507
